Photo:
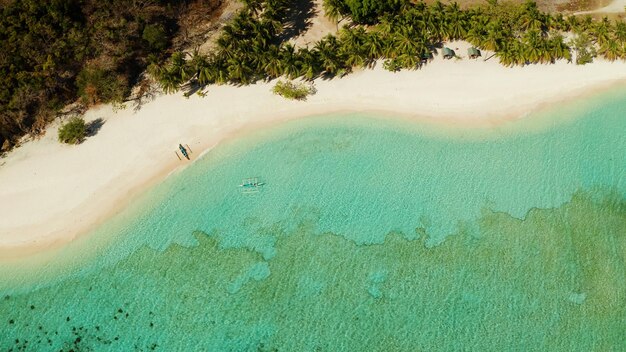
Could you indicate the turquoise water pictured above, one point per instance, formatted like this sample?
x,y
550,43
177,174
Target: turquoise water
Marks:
x,y
369,234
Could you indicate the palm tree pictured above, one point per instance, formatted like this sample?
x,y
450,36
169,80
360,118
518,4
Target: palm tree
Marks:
x,y
198,62
349,39
214,71
257,58
414,19
156,70
532,18
509,53
572,22
179,67
431,25
456,28
254,6
239,71
289,61
274,27
235,31
493,39
558,23
309,63
611,50
332,10
384,28
373,46
585,24
407,61
169,82
534,46
558,49
354,59
619,32
273,67
221,74
206,75
262,33
328,50
475,37
405,43
437,24
274,9
352,46
455,22
602,31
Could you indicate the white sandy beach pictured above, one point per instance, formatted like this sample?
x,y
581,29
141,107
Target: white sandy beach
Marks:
x,y
50,193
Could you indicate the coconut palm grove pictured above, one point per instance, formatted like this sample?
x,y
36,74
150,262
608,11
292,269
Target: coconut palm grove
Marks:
x,y
403,34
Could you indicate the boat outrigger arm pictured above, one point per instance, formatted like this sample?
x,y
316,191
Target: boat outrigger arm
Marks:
x,y
184,151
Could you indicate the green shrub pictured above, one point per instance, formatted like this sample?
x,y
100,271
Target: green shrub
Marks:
x,y
73,132
290,90
392,65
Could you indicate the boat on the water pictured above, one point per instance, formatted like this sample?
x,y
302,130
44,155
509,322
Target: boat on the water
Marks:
x,y
251,185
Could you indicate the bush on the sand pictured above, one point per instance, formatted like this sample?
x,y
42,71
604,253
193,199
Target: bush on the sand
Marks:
x,y
73,132
290,90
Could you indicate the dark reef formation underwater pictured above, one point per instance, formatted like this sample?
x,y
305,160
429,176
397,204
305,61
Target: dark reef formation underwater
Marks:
x,y
554,280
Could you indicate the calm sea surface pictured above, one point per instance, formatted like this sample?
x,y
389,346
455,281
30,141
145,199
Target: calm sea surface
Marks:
x,y
368,234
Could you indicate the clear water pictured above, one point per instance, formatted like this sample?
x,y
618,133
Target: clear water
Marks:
x,y
369,234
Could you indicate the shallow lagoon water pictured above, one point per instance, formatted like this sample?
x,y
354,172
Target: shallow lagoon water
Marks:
x,y
369,234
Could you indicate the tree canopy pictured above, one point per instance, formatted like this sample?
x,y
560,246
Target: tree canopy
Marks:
x,y
73,131
401,33
53,51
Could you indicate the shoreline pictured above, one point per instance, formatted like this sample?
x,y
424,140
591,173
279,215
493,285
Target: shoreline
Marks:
x,y
54,193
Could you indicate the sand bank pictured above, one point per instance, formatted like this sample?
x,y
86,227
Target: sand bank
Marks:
x,y
50,193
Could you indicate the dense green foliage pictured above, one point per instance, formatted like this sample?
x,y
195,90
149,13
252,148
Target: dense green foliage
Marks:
x,y
53,51
290,90
368,11
73,132
402,33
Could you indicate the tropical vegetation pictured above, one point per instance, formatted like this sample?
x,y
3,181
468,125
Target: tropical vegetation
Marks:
x,y
73,131
53,52
402,33
291,90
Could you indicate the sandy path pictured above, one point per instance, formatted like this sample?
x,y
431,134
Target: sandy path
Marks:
x,y
319,27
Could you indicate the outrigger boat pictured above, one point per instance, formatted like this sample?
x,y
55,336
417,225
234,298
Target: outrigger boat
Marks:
x,y
251,185
184,151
